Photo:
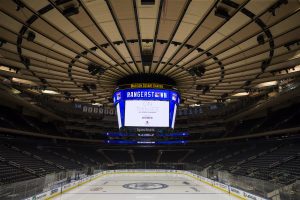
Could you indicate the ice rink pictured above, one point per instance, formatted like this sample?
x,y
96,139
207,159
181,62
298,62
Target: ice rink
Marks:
x,y
145,186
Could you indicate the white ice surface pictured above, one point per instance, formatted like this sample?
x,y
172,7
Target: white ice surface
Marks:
x,y
110,187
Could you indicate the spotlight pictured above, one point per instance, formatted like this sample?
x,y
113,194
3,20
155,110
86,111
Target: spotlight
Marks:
x,y
19,4
94,48
264,65
199,87
25,61
188,46
205,89
95,69
86,88
2,42
222,13
93,86
191,72
247,83
67,94
198,71
277,6
223,96
261,39
147,2
291,43
30,36
44,81
70,11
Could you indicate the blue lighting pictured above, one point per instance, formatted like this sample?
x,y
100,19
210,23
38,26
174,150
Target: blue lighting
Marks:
x,y
114,134
139,142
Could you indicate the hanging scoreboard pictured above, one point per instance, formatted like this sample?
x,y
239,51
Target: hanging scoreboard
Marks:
x,y
146,107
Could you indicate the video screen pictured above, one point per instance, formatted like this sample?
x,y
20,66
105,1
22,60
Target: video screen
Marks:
x,y
146,113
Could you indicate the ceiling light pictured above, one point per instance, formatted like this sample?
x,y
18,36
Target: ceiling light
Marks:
x,y
2,42
49,92
23,81
70,11
8,69
240,94
147,2
294,69
198,71
97,104
195,105
34,91
287,70
15,91
222,13
30,36
266,84
273,94
95,69
260,39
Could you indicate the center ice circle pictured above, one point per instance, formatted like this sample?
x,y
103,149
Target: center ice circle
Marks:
x,y
145,186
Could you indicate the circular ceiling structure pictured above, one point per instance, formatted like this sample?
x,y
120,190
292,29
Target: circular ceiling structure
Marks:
x,y
213,50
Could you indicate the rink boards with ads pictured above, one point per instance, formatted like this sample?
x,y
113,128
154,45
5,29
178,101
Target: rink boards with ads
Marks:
x,y
70,186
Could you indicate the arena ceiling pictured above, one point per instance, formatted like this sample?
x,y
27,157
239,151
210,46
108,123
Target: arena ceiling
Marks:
x,y
214,50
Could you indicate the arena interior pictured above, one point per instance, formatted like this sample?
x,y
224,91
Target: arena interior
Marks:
x,y
150,99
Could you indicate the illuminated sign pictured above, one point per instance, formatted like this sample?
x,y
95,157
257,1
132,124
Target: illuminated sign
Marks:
x,y
143,107
146,85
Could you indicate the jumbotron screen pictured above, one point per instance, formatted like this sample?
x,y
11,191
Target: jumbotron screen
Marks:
x,y
146,107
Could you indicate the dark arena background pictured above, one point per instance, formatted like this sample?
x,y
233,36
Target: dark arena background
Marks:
x,y
150,99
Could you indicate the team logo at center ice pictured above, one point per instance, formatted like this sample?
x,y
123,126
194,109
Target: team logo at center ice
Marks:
x,y
145,186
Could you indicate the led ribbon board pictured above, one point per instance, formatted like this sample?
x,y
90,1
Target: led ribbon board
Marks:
x,y
141,107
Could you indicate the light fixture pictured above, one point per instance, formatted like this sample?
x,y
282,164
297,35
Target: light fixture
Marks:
x,y
97,104
15,91
2,42
70,11
287,70
267,84
222,13
260,39
95,69
240,94
52,92
197,70
30,36
23,81
195,105
273,94
147,2
294,69
8,69
35,91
